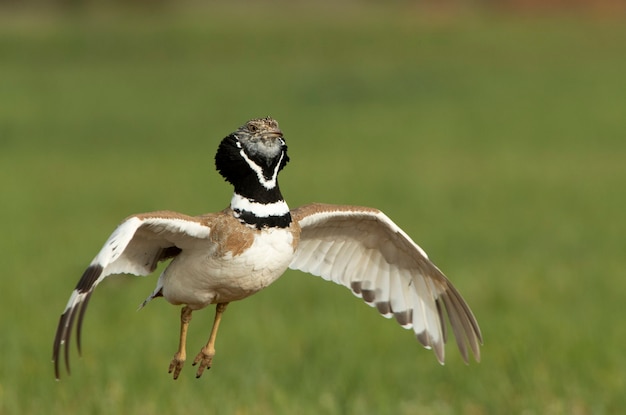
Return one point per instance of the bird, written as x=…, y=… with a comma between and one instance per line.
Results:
x=218, y=258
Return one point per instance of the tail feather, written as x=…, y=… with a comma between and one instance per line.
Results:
x=158, y=292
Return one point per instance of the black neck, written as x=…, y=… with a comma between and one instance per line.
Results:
x=249, y=187
x=257, y=200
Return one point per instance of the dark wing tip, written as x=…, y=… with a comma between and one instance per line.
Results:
x=88, y=279
x=59, y=340
x=62, y=340
x=76, y=306
x=81, y=315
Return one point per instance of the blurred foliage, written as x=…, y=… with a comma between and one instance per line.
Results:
x=520, y=6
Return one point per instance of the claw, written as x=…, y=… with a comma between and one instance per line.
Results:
x=205, y=358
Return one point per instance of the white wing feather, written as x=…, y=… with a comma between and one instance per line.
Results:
x=362, y=249
x=134, y=247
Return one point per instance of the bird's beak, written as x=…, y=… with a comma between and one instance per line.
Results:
x=276, y=133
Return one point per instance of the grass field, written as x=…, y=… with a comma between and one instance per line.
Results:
x=498, y=143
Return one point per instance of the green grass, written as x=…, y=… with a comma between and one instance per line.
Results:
x=498, y=143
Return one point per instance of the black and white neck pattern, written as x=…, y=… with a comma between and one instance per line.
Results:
x=251, y=159
x=261, y=215
x=257, y=200
x=264, y=162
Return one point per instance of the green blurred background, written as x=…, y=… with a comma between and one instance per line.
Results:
x=495, y=136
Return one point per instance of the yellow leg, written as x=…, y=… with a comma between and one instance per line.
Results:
x=179, y=358
x=205, y=357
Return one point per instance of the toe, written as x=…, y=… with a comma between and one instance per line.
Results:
x=204, y=359
x=176, y=365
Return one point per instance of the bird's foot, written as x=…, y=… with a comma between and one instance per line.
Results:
x=176, y=364
x=204, y=358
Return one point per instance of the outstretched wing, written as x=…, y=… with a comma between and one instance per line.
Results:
x=135, y=247
x=362, y=249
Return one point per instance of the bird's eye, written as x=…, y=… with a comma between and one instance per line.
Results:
x=253, y=128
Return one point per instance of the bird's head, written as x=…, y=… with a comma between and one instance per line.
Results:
x=255, y=151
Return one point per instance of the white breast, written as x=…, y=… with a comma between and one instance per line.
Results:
x=200, y=277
